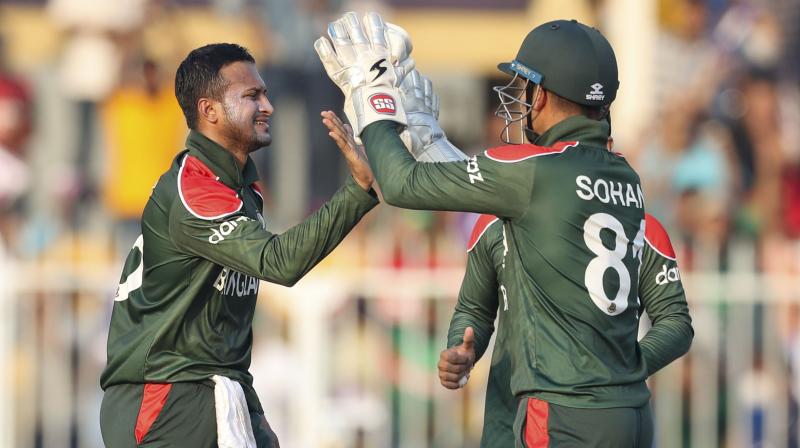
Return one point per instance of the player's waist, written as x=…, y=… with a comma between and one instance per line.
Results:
x=591, y=397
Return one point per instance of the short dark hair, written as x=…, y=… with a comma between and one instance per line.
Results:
x=198, y=76
x=563, y=104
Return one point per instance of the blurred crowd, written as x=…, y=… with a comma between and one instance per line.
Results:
x=84, y=137
x=719, y=160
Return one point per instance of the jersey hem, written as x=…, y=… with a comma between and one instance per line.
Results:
x=561, y=400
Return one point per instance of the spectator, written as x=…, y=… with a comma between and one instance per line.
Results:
x=296, y=77
x=88, y=71
x=759, y=153
x=143, y=125
x=684, y=47
x=688, y=173
x=16, y=117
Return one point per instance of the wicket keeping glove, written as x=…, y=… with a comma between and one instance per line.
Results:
x=400, y=51
x=428, y=141
x=359, y=61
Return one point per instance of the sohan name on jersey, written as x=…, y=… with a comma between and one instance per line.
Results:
x=607, y=191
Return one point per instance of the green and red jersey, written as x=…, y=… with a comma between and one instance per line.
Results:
x=574, y=224
x=184, y=308
x=481, y=300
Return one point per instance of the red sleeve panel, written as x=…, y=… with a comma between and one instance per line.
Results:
x=657, y=237
x=483, y=223
x=518, y=153
x=202, y=193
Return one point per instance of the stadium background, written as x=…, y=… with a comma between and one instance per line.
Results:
x=708, y=113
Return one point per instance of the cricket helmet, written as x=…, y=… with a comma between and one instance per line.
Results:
x=565, y=57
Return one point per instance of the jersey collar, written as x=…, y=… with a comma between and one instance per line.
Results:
x=221, y=162
x=576, y=128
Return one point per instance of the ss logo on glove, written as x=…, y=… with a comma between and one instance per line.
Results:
x=383, y=103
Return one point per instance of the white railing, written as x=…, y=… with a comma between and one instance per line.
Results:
x=347, y=358
x=6, y=349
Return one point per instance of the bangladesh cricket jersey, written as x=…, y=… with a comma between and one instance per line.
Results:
x=573, y=221
x=481, y=299
x=184, y=307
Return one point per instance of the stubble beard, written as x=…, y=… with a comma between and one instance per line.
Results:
x=242, y=133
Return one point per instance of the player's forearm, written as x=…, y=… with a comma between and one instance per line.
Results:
x=668, y=339
x=392, y=165
x=481, y=322
x=448, y=186
x=289, y=256
x=242, y=244
x=407, y=183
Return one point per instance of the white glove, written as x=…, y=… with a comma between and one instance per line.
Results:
x=428, y=141
x=360, y=63
x=400, y=50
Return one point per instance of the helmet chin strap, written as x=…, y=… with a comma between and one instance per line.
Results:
x=530, y=134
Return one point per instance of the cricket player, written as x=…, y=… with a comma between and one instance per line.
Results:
x=572, y=216
x=180, y=337
x=480, y=300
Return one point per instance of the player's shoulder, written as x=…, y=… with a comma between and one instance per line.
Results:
x=200, y=191
x=657, y=237
x=518, y=153
x=482, y=226
x=164, y=192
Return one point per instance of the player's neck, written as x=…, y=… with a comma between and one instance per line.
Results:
x=549, y=117
x=239, y=154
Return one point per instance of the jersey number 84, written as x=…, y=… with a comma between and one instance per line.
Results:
x=610, y=259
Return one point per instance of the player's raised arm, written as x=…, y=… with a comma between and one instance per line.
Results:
x=244, y=245
x=358, y=59
x=661, y=290
x=478, y=184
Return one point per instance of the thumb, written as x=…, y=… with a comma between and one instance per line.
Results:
x=469, y=339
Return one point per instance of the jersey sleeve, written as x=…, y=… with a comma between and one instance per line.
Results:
x=479, y=184
x=241, y=243
x=478, y=297
x=662, y=293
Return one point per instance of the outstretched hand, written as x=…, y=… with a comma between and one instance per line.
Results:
x=456, y=362
x=354, y=154
x=362, y=57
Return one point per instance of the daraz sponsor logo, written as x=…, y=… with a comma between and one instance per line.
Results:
x=667, y=275
x=225, y=229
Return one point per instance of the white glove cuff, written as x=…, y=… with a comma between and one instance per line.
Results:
x=441, y=151
x=373, y=104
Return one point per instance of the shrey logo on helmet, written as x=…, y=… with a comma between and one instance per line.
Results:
x=597, y=92
x=383, y=103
